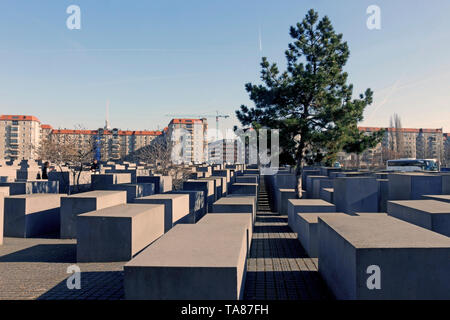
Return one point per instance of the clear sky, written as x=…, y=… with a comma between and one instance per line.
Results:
x=152, y=58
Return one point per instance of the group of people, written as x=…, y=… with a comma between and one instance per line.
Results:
x=46, y=169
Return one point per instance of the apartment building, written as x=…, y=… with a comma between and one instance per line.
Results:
x=112, y=144
x=226, y=151
x=405, y=143
x=446, y=147
x=19, y=136
x=189, y=136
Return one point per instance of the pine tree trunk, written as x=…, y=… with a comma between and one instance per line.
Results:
x=298, y=173
x=298, y=177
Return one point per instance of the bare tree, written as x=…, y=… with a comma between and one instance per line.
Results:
x=396, y=144
x=68, y=152
x=159, y=154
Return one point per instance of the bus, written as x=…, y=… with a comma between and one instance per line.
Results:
x=408, y=165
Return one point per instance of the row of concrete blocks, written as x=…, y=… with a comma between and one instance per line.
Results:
x=205, y=260
x=184, y=206
x=183, y=255
x=373, y=255
x=401, y=186
x=349, y=194
x=35, y=214
x=281, y=187
x=369, y=194
x=63, y=182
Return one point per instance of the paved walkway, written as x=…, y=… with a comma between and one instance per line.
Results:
x=37, y=269
x=278, y=267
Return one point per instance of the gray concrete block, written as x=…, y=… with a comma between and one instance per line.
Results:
x=227, y=220
x=318, y=184
x=118, y=233
x=411, y=186
x=1, y=216
x=246, y=179
x=207, y=186
x=197, y=207
x=218, y=190
x=223, y=173
x=162, y=183
x=308, y=233
x=245, y=189
x=134, y=191
x=285, y=181
x=326, y=171
x=429, y=214
x=73, y=205
x=356, y=194
x=326, y=194
x=383, y=194
x=134, y=172
x=283, y=195
x=207, y=169
x=349, y=174
x=381, y=175
x=4, y=190
x=31, y=215
x=191, y=262
x=224, y=185
x=309, y=185
x=251, y=171
x=306, y=173
x=103, y=181
x=443, y=197
x=231, y=205
x=413, y=261
x=68, y=184
x=446, y=183
x=306, y=206
x=176, y=207
x=31, y=187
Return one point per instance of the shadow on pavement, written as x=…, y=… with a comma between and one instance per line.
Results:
x=104, y=285
x=51, y=253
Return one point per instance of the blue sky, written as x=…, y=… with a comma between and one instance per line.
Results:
x=151, y=58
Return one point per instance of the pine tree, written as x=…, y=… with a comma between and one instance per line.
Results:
x=310, y=103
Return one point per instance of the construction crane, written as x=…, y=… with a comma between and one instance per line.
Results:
x=217, y=116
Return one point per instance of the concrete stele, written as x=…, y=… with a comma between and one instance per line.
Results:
x=191, y=262
x=429, y=214
x=31, y=215
x=76, y=204
x=176, y=207
x=413, y=261
x=119, y=232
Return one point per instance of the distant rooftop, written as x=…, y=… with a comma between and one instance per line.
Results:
x=69, y=131
x=185, y=121
x=410, y=130
x=18, y=117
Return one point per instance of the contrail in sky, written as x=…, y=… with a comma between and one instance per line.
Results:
x=260, y=39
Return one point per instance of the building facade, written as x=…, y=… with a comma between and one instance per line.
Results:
x=226, y=151
x=19, y=136
x=189, y=136
x=406, y=143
